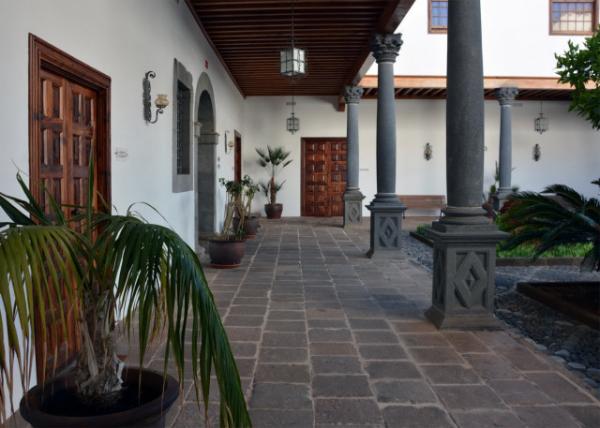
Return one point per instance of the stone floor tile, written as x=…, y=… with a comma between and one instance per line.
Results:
x=280, y=396
x=292, y=373
x=416, y=417
x=558, y=388
x=244, y=320
x=588, y=416
x=487, y=419
x=405, y=391
x=361, y=412
x=392, y=370
x=368, y=324
x=414, y=327
x=244, y=349
x=382, y=352
x=450, y=374
x=490, y=366
x=519, y=392
x=273, y=418
x=286, y=326
x=469, y=397
x=243, y=334
x=435, y=356
x=285, y=315
x=327, y=323
x=341, y=386
x=465, y=342
x=329, y=335
x=423, y=340
x=287, y=340
x=283, y=355
x=342, y=348
x=375, y=336
x=522, y=358
x=336, y=365
x=546, y=417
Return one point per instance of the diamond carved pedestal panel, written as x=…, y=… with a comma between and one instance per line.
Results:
x=353, y=208
x=386, y=226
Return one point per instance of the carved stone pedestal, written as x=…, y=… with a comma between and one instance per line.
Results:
x=386, y=228
x=464, y=276
x=353, y=207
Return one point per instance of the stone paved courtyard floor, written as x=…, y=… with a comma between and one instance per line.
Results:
x=325, y=337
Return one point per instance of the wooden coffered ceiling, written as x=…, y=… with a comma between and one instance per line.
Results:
x=434, y=87
x=248, y=35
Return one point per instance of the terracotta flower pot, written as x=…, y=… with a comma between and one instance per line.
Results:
x=56, y=404
x=273, y=211
x=226, y=254
x=251, y=226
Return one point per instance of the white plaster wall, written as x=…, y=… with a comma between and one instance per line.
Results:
x=516, y=41
x=570, y=149
x=122, y=39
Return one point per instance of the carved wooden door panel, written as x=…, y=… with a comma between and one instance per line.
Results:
x=63, y=142
x=324, y=176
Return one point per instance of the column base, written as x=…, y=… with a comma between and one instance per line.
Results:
x=499, y=198
x=464, y=276
x=353, y=207
x=386, y=227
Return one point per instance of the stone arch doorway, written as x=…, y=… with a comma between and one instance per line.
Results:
x=206, y=160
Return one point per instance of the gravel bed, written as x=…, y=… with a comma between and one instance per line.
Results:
x=567, y=340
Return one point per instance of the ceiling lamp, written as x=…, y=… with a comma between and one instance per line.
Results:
x=292, y=122
x=541, y=122
x=293, y=59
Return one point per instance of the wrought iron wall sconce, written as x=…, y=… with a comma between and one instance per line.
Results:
x=228, y=143
x=537, y=152
x=161, y=101
x=428, y=153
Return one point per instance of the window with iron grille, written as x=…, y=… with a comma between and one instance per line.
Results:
x=573, y=16
x=183, y=129
x=438, y=16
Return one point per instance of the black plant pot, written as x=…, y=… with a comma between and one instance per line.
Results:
x=273, y=211
x=226, y=254
x=56, y=405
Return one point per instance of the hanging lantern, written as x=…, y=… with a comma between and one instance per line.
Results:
x=293, y=124
x=293, y=59
x=541, y=122
x=293, y=62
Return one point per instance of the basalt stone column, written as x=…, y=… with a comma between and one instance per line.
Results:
x=386, y=209
x=464, y=252
x=506, y=97
x=352, y=196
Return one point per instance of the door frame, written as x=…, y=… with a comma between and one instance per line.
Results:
x=43, y=55
x=303, y=166
x=237, y=156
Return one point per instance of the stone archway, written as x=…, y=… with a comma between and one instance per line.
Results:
x=206, y=159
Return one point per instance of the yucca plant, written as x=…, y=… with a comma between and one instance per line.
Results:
x=557, y=216
x=115, y=264
x=275, y=159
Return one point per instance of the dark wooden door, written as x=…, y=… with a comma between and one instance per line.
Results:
x=238, y=158
x=69, y=119
x=323, y=176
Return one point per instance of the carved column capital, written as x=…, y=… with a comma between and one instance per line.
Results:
x=506, y=95
x=385, y=47
x=352, y=94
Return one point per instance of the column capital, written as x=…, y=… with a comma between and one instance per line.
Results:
x=385, y=47
x=506, y=95
x=352, y=94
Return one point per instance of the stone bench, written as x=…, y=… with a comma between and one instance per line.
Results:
x=424, y=202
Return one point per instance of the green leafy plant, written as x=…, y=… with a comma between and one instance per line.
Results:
x=275, y=159
x=556, y=217
x=250, y=189
x=115, y=263
x=233, y=207
x=579, y=67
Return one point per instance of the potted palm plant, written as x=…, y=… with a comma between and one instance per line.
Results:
x=250, y=226
x=274, y=159
x=87, y=268
x=226, y=250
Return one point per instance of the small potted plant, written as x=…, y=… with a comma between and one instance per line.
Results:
x=274, y=158
x=226, y=250
x=249, y=189
x=82, y=270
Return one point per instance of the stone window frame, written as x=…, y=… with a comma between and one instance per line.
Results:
x=435, y=29
x=595, y=22
x=181, y=76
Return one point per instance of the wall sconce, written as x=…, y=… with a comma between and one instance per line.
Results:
x=537, y=152
x=161, y=101
x=428, y=153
